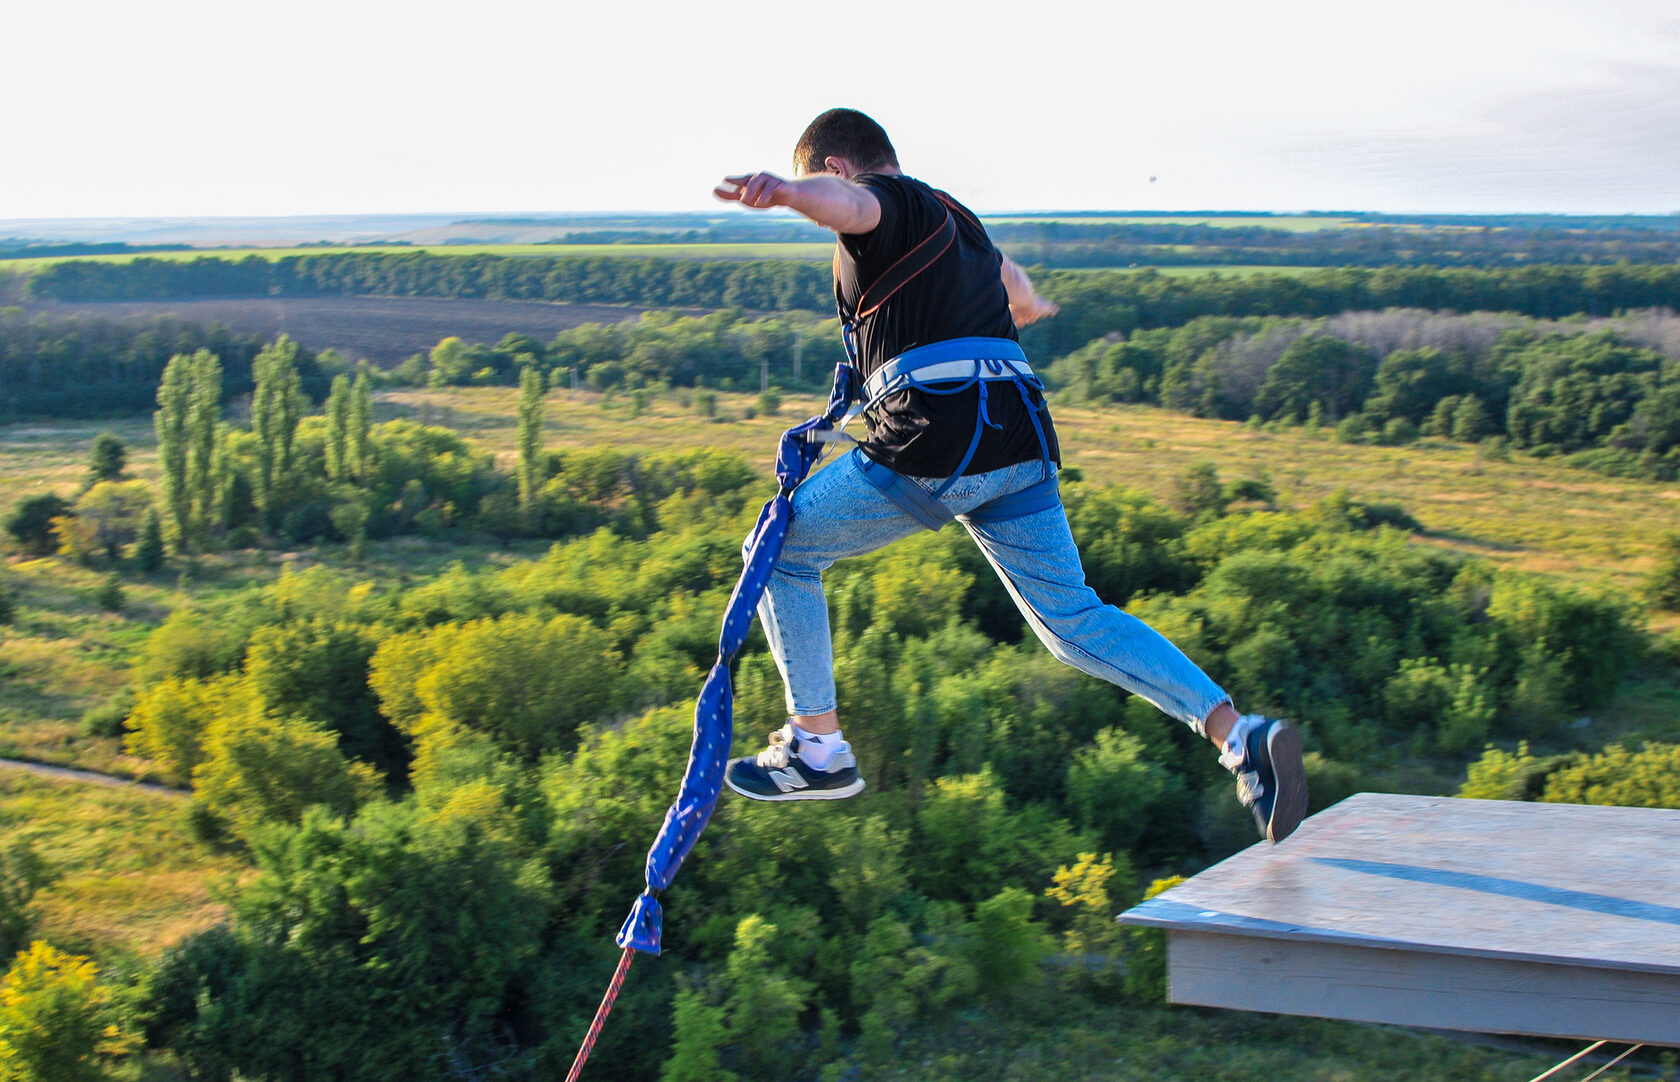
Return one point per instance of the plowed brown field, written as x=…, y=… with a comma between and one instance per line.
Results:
x=384, y=330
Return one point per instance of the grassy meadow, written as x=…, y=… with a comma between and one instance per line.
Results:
x=131, y=876
x=764, y=250
x=1531, y=514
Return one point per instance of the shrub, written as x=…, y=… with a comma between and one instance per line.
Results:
x=1399, y=431
x=30, y=523
x=107, y=458
x=1353, y=429
x=53, y=1018
x=110, y=594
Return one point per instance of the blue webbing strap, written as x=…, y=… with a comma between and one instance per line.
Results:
x=910, y=497
x=1039, y=496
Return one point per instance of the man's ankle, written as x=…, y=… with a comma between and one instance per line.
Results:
x=818, y=724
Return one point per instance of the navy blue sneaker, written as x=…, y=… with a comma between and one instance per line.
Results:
x=1270, y=778
x=779, y=773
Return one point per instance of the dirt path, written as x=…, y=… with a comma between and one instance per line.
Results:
x=46, y=770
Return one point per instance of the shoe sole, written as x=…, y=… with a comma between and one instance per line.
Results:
x=802, y=794
x=1283, y=747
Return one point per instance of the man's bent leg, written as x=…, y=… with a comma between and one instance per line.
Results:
x=1038, y=562
x=837, y=513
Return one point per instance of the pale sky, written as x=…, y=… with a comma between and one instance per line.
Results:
x=224, y=107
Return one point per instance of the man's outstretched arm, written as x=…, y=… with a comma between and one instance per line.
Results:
x=831, y=201
x=1025, y=305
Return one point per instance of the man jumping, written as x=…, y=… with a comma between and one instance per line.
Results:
x=957, y=428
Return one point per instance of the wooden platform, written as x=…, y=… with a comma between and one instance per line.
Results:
x=1553, y=920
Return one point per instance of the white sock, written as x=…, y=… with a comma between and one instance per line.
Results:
x=1235, y=755
x=816, y=749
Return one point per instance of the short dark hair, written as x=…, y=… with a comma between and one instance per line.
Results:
x=843, y=133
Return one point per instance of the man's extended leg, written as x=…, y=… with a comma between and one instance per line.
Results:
x=1038, y=562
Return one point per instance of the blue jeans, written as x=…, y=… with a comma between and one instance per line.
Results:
x=837, y=513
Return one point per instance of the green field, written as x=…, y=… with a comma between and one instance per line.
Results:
x=1229, y=270
x=628, y=251
x=1288, y=223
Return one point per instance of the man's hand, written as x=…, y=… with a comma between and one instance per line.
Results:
x=1025, y=305
x=1033, y=310
x=756, y=190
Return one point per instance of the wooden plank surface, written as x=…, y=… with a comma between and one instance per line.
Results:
x=1545, y=919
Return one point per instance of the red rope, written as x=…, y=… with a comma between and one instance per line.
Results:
x=601, y=1014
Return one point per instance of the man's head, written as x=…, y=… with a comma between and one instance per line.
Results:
x=843, y=141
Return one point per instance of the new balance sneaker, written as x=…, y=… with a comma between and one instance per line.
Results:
x=779, y=773
x=1270, y=778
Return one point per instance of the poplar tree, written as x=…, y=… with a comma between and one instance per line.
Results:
x=276, y=406
x=338, y=429
x=148, y=551
x=361, y=424
x=174, y=396
x=530, y=433
x=203, y=420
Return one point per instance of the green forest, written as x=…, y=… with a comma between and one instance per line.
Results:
x=428, y=783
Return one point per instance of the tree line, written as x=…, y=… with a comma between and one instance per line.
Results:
x=1607, y=391
x=74, y=366
x=1093, y=303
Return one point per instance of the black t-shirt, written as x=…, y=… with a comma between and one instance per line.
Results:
x=960, y=296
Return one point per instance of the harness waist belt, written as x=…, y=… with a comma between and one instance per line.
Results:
x=953, y=359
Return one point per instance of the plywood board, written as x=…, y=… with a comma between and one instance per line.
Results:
x=1543, y=919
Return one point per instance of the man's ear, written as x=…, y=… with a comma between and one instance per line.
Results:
x=838, y=165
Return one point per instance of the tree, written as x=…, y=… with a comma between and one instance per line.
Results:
x=1662, y=587
x=53, y=1018
x=170, y=717
x=1111, y=785
x=1315, y=368
x=700, y=1033
x=30, y=522
x=361, y=424
x=203, y=420
x=107, y=458
x=451, y=363
x=260, y=770
x=764, y=1002
x=527, y=682
x=1648, y=778
x=1200, y=492
x=148, y=550
x=338, y=429
x=277, y=404
x=530, y=434
x=1008, y=946
x=174, y=396
x=107, y=517
x=317, y=671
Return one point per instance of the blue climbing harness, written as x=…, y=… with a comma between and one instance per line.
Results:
x=952, y=367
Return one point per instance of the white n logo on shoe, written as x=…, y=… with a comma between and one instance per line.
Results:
x=788, y=780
